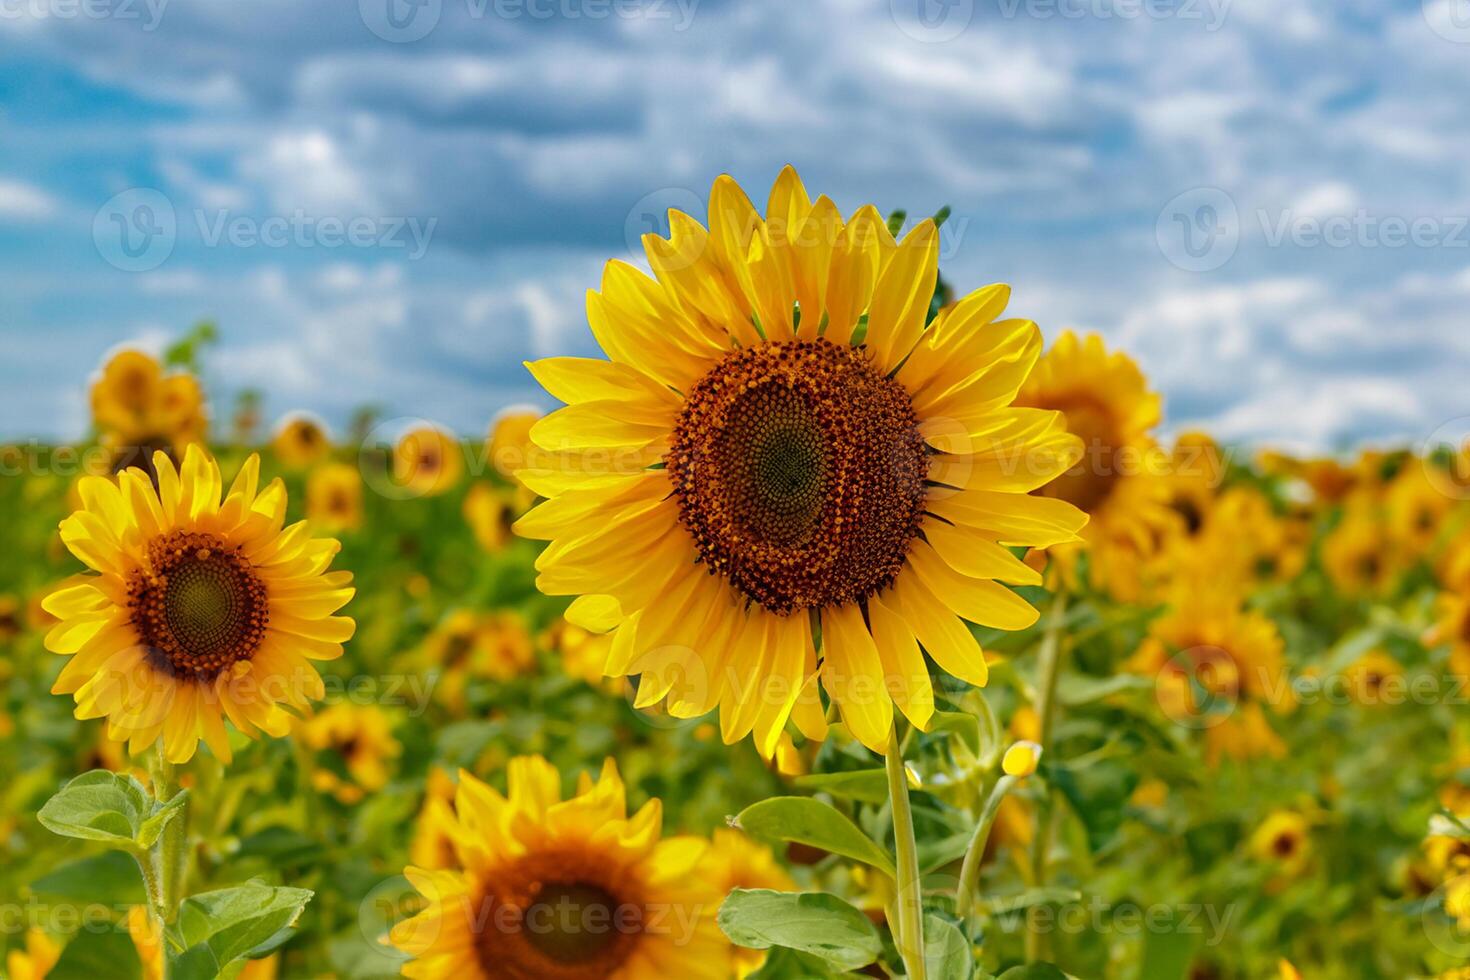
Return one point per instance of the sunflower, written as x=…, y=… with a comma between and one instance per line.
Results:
x=1119, y=481
x=432, y=846
x=549, y=889
x=1215, y=664
x=11, y=618
x=510, y=447
x=201, y=610
x=583, y=652
x=301, y=440
x=357, y=743
x=1282, y=842
x=427, y=461
x=1358, y=554
x=468, y=645
x=138, y=410
x=1417, y=507
x=780, y=456
x=736, y=861
x=334, y=497
x=488, y=514
x=35, y=961
x=1368, y=675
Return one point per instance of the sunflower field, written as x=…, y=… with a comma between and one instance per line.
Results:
x=842, y=623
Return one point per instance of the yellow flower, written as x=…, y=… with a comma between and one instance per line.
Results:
x=757, y=458
x=1288, y=972
x=583, y=653
x=1417, y=507
x=300, y=441
x=571, y=889
x=139, y=410
x=510, y=446
x=334, y=497
x=202, y=610
x=489, y=517
x=1358, y=555
x=1021, y=759
x=36, y=960
x=1118, y=481
x=736, y=861
x=10, y=618
x=427, y=461
x=466, y=645
x=358, y=739
x=1215, y=664
x=1367, y=675
x=1196, y=470
x=1283, y=842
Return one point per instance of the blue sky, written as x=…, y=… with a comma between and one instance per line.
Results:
x=1265, y=201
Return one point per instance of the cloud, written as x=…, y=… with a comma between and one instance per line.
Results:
x=20, y=201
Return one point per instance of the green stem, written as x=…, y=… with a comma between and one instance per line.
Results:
x=908, y=932
x=1049, y=669
x=970, y=870
x=167, y=854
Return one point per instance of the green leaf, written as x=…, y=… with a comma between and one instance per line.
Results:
x=810, y=922
x=804, y=821
x=104, y=806
x=863, y=785
x=281, y=846
x=1074, y=690
x=1034, y=971
x=1166, y=955
x=217, y=928
x=967, y=727
x=109, y=878
x=948, y=955
x=93, y=953
x=788, y=964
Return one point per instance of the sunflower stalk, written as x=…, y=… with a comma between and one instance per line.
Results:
x=163, y=880
x=1049, y=669
x=970, y=869
x=908, y=927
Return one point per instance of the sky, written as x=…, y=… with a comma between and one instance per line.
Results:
x=396, y=202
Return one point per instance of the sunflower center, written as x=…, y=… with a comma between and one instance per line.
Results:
x=800, y=472
x=557, y=917
x=199, y=607
x=1089, y=483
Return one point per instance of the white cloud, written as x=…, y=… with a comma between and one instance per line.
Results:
x=20, y=201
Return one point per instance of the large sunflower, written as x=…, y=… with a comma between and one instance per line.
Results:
x=781, y=475
x=202, y=609
x=549, y=889
x=1119, y=479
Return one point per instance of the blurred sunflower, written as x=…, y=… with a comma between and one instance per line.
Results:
x=488, y=514
x=1367, y=676
x=736, y=861
x=778, y=450
x=1214, y=665
x=1358, y=555
x=36, y=960
x=202, y=610
x=138, y=410
x=468, y=644
x=358, y=742
x=555, y=889
x=432, y=846
x=1118, y=482
x=301, y=440
x=1417, y=508
x=334, y=497
x=427, y=461
x=510, y=447
x=1282, y=843
x=583, y=653
x=11, y=618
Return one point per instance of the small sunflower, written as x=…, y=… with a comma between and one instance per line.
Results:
x=334, y=497
x=301, y=440
x=1417, y=507
x=583, y=652
x=1360, y=557
x=203, y=609
x=468, y=645
x=549, y=889
x=510, y=447
x=1118, y=482
x=138, y=410
x=1215, y=664
x=780, y=455
x=1368, y=676
x=41, y=953
x=1283, y=843
x=488, y=514
x=356, y=745
x=427, y=461
x=432, y=846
